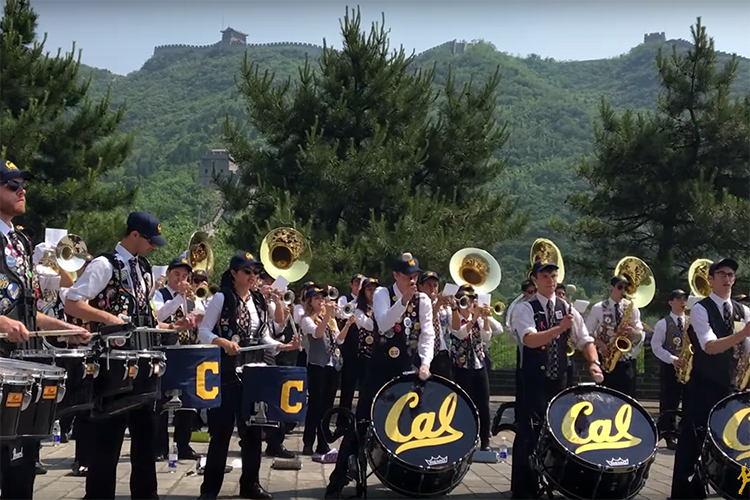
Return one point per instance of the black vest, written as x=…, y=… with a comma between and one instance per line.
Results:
x=464, y=351
x=717, y=368
x=536, y=361
x=673, y=339
x=227, y=327
x=350, y=347
x=393, y=350
x=366, y=339
x=183, y=338
x=17, y=299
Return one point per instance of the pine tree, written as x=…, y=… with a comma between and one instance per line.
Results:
x=49, y=127
x=369, y=160
x=673, y=185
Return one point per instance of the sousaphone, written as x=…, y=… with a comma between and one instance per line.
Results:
x=199, y=253
x=544, y=249
x=71, y=253
x=286, y=252
x=475, y=267
x=698, y=278
x=641, y=282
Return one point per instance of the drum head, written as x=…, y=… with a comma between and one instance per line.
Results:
x=729, y=424
x=602, y=426
x=434, y=424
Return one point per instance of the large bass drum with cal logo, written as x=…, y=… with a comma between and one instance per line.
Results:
x=726, y=448
x=596, y=443
x=423, y=435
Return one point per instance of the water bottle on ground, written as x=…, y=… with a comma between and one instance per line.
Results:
x=504, y=450
x=173, y=457
x=56, y=433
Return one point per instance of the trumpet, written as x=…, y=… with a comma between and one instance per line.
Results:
x=348, y=310
x=498, y=309
x=202, y=292
x=464, y=302
x=333, y=293
x=286, y=297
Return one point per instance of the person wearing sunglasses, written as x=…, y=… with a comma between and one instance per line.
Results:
x=238, y=316
x=604, y=322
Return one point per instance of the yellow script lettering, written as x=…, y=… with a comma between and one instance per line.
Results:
x=599, y=434
x=286, y=393
x=730, y=437
x=422, y=433
x=200, y=380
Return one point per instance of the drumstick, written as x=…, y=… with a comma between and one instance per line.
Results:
x=50, y=333
x=257, y=347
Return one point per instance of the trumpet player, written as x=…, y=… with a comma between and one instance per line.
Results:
x=442, y=364
x=604, y=319
x=669, y=338
x=544, y=325
x=473, y=329
x=720, y=350
x=350, y=373
x=366, y=328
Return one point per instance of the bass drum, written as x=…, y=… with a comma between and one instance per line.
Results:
x=423, y=435
x=596, y=443
x=725, y=449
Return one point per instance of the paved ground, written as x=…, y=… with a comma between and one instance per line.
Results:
x=483, y=480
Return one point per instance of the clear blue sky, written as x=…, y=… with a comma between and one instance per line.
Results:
x=120, y=35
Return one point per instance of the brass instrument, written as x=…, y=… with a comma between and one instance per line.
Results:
x=288, y=298
x=475, y=267
x=570, y=349
x=285, y=252
x=544, y=249
x=639, y=291
x=69, y=255
x=333, y=293
x=199, y=253
x=202, y=292
x=498, y=309
x=700, y=287
x=464, y=302
x=348, y=310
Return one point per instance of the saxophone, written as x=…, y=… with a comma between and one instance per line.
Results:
x=620, y=343
x=686, y=357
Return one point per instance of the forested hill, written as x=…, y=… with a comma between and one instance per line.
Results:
x=177, y=104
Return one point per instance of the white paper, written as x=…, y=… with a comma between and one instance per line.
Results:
x=53, y=236
x=581, y=305
x=159, y=271
x=280, y=283
x=450, y=289
x=484, y=299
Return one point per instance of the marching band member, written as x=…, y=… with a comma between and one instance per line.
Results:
x=298, y=311
x=115, y=285
x=718, y=349
x=604, y=322
x=366, y=327
x=18, y=461
x=237, y=312
x=473, y=328
x=562, y=294
x=324, y=363
x=544, y=325
x=667, y=342
x=442, y=364
x=405, y=340
x=350, y=348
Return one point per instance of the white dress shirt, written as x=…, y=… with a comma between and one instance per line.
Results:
x=98, y=273
x=206, y=333
x=388, y=315
x=166, y=309
x=660, y=336
x=596, y=317
x=523, y=322
x=701, y=326
x=364, y=322
x=444, y=319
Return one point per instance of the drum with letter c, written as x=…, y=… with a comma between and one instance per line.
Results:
x=15, y=396
x=282, y=388
x=596, y=443
x=726, y=450
x=194, y=371
x=423, y=435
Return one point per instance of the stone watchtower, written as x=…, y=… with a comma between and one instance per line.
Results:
x=233, y=37
x=654, y=37
x=215, y=161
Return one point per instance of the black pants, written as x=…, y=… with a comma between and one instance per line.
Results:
x=17, y=476
x=302, y=358
x=699, y=398
x=183, y=428
x=442, y=365
x=670, y=394
x=477, y=385
x=322, y=383
x=84, y=432
x=108, y=436
x=221, y=423
x=351, y=374
x=571, y=371
x=622, y=377
x=66, y=424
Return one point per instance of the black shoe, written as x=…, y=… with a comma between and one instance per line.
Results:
x=64, y=438
x=40, y=469
x=671, y=444
x=188, y=454
x=207, y=496
x=334, y=491
x=279, y=452
x=256, y=492
x=308, y=451
x=227, y=470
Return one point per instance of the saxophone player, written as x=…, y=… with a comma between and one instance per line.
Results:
x=605, y=321
x=667, y=343
x=718, y=347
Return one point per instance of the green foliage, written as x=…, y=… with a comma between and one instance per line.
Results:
x=50, y=126
x=356, y=152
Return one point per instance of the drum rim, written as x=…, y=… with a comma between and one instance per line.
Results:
x=14, y=378
x=45, y=369
x=624, y=396
x=33, y=353
x=187, y=346
x=398, y=459
x=120, y=354
x=709, y=435
x=150, y=354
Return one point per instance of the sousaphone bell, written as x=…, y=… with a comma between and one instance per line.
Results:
x=698, y=278
x=475, y=267
x=71, y=253
x=544, y=249
x=199, y=253
x=641, y=286
x=285, y=252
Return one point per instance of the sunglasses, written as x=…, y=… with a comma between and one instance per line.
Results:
x=15, y=185
x=199, y=281
x=621, y=287
x=250, y=271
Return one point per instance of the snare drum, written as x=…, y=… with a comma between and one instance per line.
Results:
x=596, y=443
x=117, y=370
x=194, y=371
x=151, y=366
x=15, y=396
x=725, y=449
x=423, y=435
x=47, y=391
x=282, y=388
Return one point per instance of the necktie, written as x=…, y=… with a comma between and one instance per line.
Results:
x=140, y=293
x=552, y=348
x=438, y=332
x=243, y=319
x=19, y=253
x=618, y=315
x=728, y=323
x=680, y=326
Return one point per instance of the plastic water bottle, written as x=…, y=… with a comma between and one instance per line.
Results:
x=56, y=433
x=503, y=450
x=173, y=457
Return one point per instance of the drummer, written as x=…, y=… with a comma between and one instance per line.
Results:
x=19, y=316
x=237, y=314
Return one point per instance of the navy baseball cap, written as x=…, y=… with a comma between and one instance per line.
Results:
x=407, y=264
x=148, y=226
x=180, y=262
x=200, y=274
x=242, y=260
x=313, y=290
x=618, y=280
x=9, y=171
x=678, y=294
x=369, y=281
x=427, y=275
x=730, y=263
x=357, y=277
x=544, y=265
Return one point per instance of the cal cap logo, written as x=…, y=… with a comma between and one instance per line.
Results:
x=158, y=228
x=248, y=256
x=10, y=166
